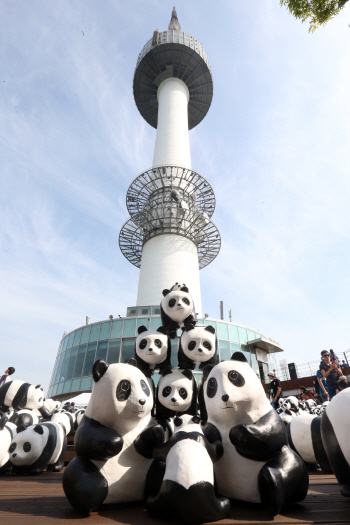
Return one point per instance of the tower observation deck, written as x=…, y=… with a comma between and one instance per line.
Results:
x=169, y=234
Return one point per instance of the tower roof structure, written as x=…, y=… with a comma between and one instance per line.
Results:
x=174, y=23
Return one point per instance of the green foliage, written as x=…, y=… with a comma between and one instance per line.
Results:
x=316, y=12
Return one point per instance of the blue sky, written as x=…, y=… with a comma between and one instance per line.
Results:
x=274, y=146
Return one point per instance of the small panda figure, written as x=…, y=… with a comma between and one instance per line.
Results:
x=198, y=345
x=7, y=433
x=285, y=416
x=177, y=309
x=335, y=431
x=37, y=448
x=49, y=407
x=187, y=491
x=18, y=394
x=290, y=403
x=304, y=437
x=152, y=350
x=115, y=440
x=176, y=393
x=24, y=417
x=79, y=417
x=258, y=466
x=66, y=419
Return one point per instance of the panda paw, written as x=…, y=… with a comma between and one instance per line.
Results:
x=150, y=438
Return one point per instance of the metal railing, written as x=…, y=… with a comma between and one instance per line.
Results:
x=310, y=368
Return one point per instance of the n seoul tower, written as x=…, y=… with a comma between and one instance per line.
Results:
x=170, y=235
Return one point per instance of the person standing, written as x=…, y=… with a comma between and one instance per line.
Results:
x=275, y=389
x=331, y=372
x=7, y=373
x=323, y=390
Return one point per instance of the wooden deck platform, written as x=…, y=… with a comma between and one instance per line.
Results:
x=39, y=500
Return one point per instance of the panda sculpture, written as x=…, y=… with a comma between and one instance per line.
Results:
x=48, y=409
x=290, y=405
x=177, y=309
x=176, y=394
x=79, y=417
x=198, y=345
x=66, y=419
x=187, y=491
x=115, y=440
x=258, y=466
x=18, y=394
x=304, y=437
x=37, y=448
x=285, y=416
x=7, y=433
x=24, y=417
x=152, y=350
x=335, y=431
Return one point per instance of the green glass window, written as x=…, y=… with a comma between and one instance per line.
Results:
x=155, y=310
x=60, y=388
x=211, y=323
x=243, y=335
x=257, y=336
x=89, y=359
x=254, y=364
x=142, y=321
x=247, y=356
x=129, y=328
x=64, y=365
x=80, y=361
x=174, y=349
x=156, y=378
x=156, y=322
x=235, y=347
x=101, y=350
x=95, y=328
x=85, y=383
x=75, y=384
x=85, y=335
x=251, y=335
x=70, y=340
x=64, y=347
x=54, y=390
x=57, y=378
x=233, y=332
x=66, y=387
x=145, y=310
x=70, y=367
x=105, y=329
x=128, y=348
x=225, y=351
x=113, y=351
x=117, y=328
x=77, y=337
x=222, y=331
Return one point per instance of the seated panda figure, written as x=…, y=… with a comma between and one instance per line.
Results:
x=24, y=417
x=66, y=419
x=8, y=431
x=38, y=447
x=187, y=491
x=176, y=394
x=114, y=441
x=198, y=345
x=177, y=309
x=258, y=466
x=152, y=350
x=18, y=394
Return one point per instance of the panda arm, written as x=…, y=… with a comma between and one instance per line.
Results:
x=212, y=433
x=150, y=438
x=95, y=441
x=260, y=440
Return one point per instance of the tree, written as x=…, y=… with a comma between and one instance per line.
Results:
x=317, y=12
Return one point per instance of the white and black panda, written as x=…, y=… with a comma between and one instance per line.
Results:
x=66, y=419
x=258, y=466
x=177, y=309
x=285, y=416
x=304, y=437
x=290, y=405
x=37, y=448
x=198, y=345
x=24, y=417
x=152, y=350
x=49, y=407
x=79, y=417
x=187, y=491
x=8, y=431
x=18, y=394
x=335, y=431
x=115, y=440
x=176, y=393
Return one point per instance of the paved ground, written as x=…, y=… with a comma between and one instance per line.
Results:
x=40, y=500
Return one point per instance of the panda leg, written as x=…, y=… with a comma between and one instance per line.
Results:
x=154, y=478
x=58, y=466
x=283, y=479
x=335, y=455
x=84, y=485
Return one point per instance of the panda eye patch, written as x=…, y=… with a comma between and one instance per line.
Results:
x=158, y=343
x=27, y=447
x=123, y=390
x=143, y=344
x=183, y=393
x=207, y=345
x=236, y=378
x=172, y=303
x=192, y=345
x=145, y=388
x=12, y=447
x=166, y=391
x=212, y=387
x=186, y=301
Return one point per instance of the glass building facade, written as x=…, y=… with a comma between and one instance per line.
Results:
x=113, y=341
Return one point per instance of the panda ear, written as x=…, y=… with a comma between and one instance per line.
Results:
x=20, y=428
x=239, y=356
x=206, y=371
x=165, y=371
x=210, y=329
x=189, y=327
x=141, y=329
x=165, y=292
x=187, y=373
x=184, y=289
x=39, y=429
x=161, y=330
x=130, y=361
x=99, y=369
x=38, y=386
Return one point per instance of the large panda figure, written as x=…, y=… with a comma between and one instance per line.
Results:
x=115, y=440
x=187, y=492
x=18, y=394
x=258, y=466
x=198, y=345
x=176, y=394
x=177, y=309
x=152, y=350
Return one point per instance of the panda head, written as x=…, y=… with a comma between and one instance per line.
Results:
x=176, y=392
x=121, y=397
x=152, y=349
x=35, y=397
x=198, y=343
x=28, y=444
x=233, y=394
x=187, y=423
x=177, y=305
